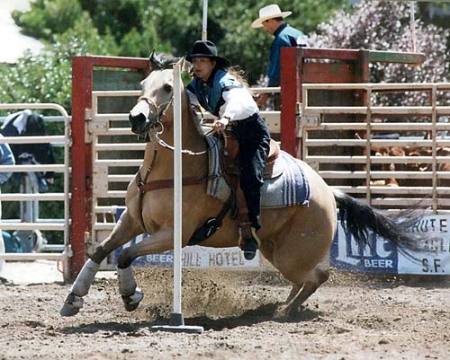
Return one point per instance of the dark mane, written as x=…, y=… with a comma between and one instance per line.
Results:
x=162, y=61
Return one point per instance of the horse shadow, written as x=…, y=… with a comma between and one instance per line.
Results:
x=263, y=313
x=109, y=328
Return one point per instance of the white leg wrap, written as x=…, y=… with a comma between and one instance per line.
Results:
x=127, y=284
x=85, y=278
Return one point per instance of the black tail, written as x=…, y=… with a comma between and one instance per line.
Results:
x=358, y=219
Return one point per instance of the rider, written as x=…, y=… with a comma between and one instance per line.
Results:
x=224, y=95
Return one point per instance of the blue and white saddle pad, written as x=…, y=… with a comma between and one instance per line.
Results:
x=290, y=188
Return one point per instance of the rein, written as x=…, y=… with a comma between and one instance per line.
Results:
x=141, y=182
x=161, y=115
x=145, y=186
x=170, y=147
x=153, y=133
x=167, y=183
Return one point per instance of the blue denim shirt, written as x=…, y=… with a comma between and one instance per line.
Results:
x=6, y=158
x=285, y=36
x=209, y=94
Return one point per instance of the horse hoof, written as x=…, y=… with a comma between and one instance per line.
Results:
x=281, y=312
x=132, y=302
x=287, y=312
x=72, y=305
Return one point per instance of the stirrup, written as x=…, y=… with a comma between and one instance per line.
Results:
x=246, y=231
x=249, y=242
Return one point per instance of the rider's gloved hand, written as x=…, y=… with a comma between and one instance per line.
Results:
x=220, y=124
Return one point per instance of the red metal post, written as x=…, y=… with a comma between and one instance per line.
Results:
x=289, y=91
x=81, y=152
x=81, y=163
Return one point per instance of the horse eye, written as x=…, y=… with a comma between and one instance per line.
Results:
x=167, y=88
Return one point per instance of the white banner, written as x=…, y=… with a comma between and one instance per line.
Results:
x=197, y=257
x=435, y=259
x=385, y=258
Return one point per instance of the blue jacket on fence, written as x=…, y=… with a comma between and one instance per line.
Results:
x=6, y=158
x=285, y=36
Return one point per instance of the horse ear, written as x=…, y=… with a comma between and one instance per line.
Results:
x=155, y=61
x=186, y=66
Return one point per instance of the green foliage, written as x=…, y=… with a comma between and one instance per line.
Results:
x=229, y=27
x=48, y=17
x=136, y=27
x=47, y=77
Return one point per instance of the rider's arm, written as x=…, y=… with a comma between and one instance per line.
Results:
x=239, y=104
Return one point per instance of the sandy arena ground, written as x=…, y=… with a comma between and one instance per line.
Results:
x=350, y=317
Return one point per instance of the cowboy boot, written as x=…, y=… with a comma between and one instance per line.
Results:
x=248, y=240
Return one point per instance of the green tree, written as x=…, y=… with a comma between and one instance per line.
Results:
x=139, y=26
x=47, y=18
x=47, y=77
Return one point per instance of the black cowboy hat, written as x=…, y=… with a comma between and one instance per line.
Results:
x=207, y=49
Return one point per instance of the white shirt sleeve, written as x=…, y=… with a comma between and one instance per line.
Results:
x=239, y=104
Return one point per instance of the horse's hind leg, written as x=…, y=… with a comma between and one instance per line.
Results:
x=294, y=292
x=124, y=230
x=308, y=289
x=301, y=292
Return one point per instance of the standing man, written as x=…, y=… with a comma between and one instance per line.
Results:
x=224, y=94
x=271, y=19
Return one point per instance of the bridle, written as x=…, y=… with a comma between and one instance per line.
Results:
x=160, y=114
x=155, y=130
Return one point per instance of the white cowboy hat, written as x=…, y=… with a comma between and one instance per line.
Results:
x=269, y=12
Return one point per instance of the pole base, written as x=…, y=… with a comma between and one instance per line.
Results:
x=176, y=324
x=179, y=329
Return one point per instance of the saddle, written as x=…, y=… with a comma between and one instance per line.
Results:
x=230, y=162
x=236, y=201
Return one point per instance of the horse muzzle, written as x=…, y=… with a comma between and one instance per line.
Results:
x=139, y=124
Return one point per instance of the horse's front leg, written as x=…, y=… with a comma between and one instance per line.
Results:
x=123, y=232
x=159, y=242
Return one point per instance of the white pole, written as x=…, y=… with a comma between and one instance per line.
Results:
x=205, y=20
x=177, y=321
x=413, y=25
x=178, y=192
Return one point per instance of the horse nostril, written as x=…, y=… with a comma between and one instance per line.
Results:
x=137, y=122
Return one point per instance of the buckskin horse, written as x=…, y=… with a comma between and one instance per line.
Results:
x=295, y=239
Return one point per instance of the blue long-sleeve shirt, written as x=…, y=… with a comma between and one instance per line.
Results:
x=285, y=36
x=6, y=158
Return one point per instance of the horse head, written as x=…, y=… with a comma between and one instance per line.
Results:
x=156, y=97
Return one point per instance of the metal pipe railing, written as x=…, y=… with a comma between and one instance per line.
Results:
x=62, y=168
